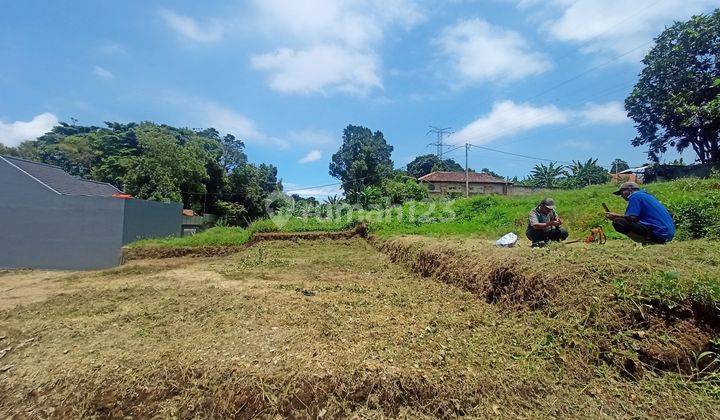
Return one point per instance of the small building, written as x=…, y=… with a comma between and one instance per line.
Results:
x=443, y=183
x=53, y=220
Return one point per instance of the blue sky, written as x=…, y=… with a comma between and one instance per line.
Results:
x=542, y=78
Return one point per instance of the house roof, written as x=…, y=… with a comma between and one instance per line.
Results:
x=474, y=177
x=60, y=181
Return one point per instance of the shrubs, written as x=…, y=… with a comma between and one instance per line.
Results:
x=695, y=205
x=697, y=217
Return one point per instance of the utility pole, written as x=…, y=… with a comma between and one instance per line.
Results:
x=467, y=179
x=440, y=134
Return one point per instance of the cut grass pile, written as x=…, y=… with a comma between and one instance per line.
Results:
x=694, y=203
x=333, y=329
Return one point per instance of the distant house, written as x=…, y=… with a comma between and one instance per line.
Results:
x=57, y=221
x=454, y=182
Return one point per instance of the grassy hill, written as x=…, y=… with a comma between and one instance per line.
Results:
x=694, y=203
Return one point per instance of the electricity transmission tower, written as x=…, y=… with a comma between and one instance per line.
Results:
x=440, y=133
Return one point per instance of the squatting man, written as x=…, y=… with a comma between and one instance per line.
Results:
x=646, y=219
x=544, y=225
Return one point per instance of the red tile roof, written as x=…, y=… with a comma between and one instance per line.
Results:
x=474, y=177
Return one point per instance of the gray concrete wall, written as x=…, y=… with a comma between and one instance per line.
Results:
x=151, y=219
x=43, y=229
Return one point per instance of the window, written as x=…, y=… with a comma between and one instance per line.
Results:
x=431, y=187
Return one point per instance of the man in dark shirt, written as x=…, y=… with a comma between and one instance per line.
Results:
x=645, y=220
x=544, y=224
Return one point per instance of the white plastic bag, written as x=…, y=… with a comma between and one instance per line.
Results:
x=507, y=241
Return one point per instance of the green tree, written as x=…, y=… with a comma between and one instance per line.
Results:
x=489, y=172
x=363, y=160
x=586, y=173
x=166, y=170
x=547, y=176
x=423, y=165
x=161, y=162
x=233, y=153
x=251, y=186
x=618, y=165
x=676, y=101
x=7, y=150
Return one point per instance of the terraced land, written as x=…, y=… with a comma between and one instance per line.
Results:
x=335, y=328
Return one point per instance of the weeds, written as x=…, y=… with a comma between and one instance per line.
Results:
x=694, y=203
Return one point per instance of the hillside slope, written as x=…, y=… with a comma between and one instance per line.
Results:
x=695, y=205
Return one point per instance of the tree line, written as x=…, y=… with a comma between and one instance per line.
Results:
x=675, y=104
x=203, y=170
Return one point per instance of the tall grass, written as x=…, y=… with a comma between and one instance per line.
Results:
x=694, y=203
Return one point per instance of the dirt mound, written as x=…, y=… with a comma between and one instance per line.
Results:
x=156, y=252
x=496, y=277
x=359, y=230
x=210, y=393
x=144, y=253
x=634, y=335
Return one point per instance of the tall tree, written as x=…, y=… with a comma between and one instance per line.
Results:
x=676, y=101
x=166, y=170
x=618, y=165
x=363, y=160
x=423, y=165
x=493, y=173
x=586, y=173
x=233, y=153
x=547, y=176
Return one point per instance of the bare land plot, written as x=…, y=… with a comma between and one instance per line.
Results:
x=325, y=328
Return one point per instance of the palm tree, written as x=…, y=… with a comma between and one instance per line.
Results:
x=589, y=173
x=333, y=200
x=547, y=176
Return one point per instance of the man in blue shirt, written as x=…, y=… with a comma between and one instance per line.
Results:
x=645, y=220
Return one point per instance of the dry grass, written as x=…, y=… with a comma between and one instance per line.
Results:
x=306, y=329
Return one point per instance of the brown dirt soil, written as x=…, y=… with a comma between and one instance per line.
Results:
x=144, y=253
x=305, y=329
x=360, y=230
x=551, y=281
x=154, y=252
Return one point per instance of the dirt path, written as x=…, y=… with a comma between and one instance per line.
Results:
x=19, y=287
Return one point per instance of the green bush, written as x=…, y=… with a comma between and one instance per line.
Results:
x=263, y=226
x=697, y=217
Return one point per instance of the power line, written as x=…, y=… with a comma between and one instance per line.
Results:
x=587, y=71
x=440, y=133
x=520, y=155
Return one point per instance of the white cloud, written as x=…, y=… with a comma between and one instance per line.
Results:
x=614, y=26
x=353, y=23
x=506, y=119
x=319, y=69
x=228, y=121
x=102, y=72
x=480, y=52
x=607, y=113
x=328, y=45
x=12, y=134
x=313, y=156
x=187, y=28
x=309, y=136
